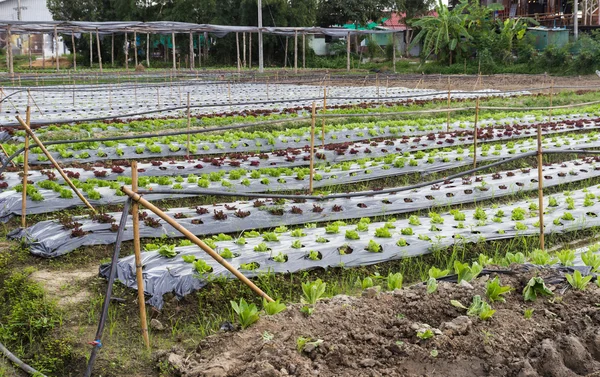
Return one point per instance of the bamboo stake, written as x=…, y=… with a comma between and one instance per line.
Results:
x=540, y=184
x=312, y=148
x=192, y=60
x=91, y=51
x=29, y=50
x=189, y=123
x=190, y=236
x=53, y=161
x=74, y=52
x=285, y=59
x=173, y=51
x=99, y=53
x=25, y=173
x=250, y=50
x=448, y=114
x=6, y=154
x=475, y=133
x=112, y=50
x=348, y=52
x=138, y=255
x=55, y=49
x=148, y=50
x=551, y=94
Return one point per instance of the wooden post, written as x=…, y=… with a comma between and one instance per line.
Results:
x=25, y=173
x=268, y=88
x=126, y=52
x=173, y=51
x=448, y=114
x=244, y=49
x=551, y=94
x=189, y=124
x=99, y=51
x=190, y=236
x=475, y=133
x=303, y=50
x=192, y=59
x=348, y=52
x=394, y=50
x=138, y=255
x=148, y=50
x=312, y=148
x=43, y=52
x=296, y=51
x=237, y=46
x=199, y=50
x=135, y=51
x=9, y=60
x=74, y=52
x=56, y=49
x=112, y=50
x=53, y=161
x=250, y=50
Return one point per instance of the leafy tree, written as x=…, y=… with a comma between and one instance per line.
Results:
x=412, y=9
x=359, y=12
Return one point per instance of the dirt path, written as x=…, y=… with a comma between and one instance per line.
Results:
x=375, y=335
x=68, y=287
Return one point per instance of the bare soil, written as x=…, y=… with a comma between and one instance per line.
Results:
x=375, y=335
x=67, y=287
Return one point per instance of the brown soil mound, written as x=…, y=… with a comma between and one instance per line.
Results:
x=375, y=335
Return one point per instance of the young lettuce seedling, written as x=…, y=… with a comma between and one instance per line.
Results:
x=536, y=287
x=247, y=313
x=274, y=307
x=494, y=291
x=577, y=281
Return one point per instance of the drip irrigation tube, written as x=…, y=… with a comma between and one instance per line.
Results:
x=97, y=343
x=26, y=368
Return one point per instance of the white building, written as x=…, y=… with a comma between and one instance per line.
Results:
x=31, y=10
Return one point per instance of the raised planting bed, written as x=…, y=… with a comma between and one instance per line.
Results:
x=337, y=140
x=73, y=103
x=53, y=238
x=410, y=332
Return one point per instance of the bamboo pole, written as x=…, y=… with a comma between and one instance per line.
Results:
x=551, y=94
x=237, y=47
x=135, y=51
x=448, y=114
x=173, y=51
x=296, y=51
x=244, y=49
x=9, y=60
x=138, y=255
x=99, y=51
x=189, y=124
x=475, y=133
x=6, y=154
x=250, y=50
x=394, y=50
x=312, y=148
x=304, y=50
x=53, y=161
x=190, y=236
x=25, y=173
x=192, y=60
x=148, y=50
x=285, y=59
x=323, y=123
x=55, y=44
x=348, y=52
x=112, y=50
x=74, y=52
x=29, y=50
x=126, y=52
x=540, y=184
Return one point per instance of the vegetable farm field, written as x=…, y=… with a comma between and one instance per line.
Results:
x=223, y=224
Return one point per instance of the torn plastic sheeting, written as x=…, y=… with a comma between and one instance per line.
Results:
x=379, y=148
x=173, y=275
x=50, y=239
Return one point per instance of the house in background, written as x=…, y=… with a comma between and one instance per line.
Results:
x=31, y=10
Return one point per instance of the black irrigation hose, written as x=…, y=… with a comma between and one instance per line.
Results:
x=26, y=368
x=97, y=343
x=363, y=193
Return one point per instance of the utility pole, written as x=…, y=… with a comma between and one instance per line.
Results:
x=261, y=67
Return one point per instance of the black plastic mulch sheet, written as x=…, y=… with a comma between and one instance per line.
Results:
x=51, y=239
x=173, y=275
